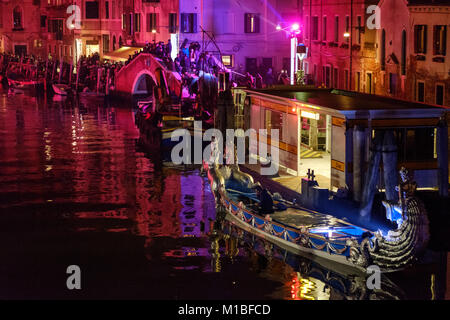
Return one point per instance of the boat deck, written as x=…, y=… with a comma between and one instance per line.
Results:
x=313, y=222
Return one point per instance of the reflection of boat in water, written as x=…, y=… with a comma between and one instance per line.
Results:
x=312, y=279
x=317, y=235
x=61, y=89
x=91, y=95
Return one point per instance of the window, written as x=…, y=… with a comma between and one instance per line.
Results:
x=392, y=83
x=440, y=94
x=324, y=29
x=360, y=29
x=315, y=28
x=335, y=78
x=152, y=22
x=188, y=22
x=251, y=22
x=383, y=50
x=227, y=60
x=92, y=10
x=17, y=18
x=114, y=43
x=403, y=62
x=43, y=21
x=56, y=26
x=358, y=81
x=124, y=21
x=307, y=27
x=326, y=76
x=420, y=39
x=369, y=83
x=347, y=27
x=346, y=79
x=105, y=39
x=336, y=29
x=440, y=40
x=137, y=22
x=106, y=9
x=421, y=91
x=172, y=23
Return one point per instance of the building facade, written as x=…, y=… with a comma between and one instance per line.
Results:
x=342, y=46
x=244, y=34
x=413, y=50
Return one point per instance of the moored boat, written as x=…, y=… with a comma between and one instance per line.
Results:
x=306, y=232
x=61, y=89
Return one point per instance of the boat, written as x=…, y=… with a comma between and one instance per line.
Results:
x=317, y=235
x=61, y=89
x=341, y=283
x=23, y=76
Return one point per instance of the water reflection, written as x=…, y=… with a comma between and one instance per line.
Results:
x=77, y=186
x=319, y=279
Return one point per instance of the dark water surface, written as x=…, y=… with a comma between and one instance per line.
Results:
x=77, y=188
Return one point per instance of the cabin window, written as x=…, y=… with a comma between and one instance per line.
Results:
x=274, y=120
x=408, y=140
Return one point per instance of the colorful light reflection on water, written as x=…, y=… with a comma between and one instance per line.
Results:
x=77, y=187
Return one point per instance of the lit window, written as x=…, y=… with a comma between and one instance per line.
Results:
x=440, y=40
x=227, y=60
x=420, y=39
x=251, y=23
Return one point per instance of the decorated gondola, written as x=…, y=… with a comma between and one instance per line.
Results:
x=314, y=234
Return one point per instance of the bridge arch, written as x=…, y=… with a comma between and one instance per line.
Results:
x=143, y=83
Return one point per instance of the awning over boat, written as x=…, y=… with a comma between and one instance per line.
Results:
x=121, y=54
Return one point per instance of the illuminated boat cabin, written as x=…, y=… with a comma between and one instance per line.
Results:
x=334, y=133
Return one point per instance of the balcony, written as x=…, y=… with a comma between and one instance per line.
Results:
x=16, y=29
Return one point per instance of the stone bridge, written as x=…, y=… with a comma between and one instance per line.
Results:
x=143, y=74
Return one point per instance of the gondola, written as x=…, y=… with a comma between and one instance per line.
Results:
x=306, y=232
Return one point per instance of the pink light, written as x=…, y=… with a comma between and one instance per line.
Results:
x=295, y=27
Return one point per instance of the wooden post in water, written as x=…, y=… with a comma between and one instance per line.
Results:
x=61, y=68
x=54, y=70
x=78, y=76
x=99, y=72
x=45, y=76
x=70, y=73
x=107, y=82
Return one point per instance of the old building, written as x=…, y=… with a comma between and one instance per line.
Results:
x=413, y=51
x=245, y=35
x=341, y=44
x=20, y=27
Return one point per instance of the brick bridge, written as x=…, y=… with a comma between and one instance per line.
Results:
x=142, y=74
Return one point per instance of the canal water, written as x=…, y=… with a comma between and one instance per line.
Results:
x=77, y=187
